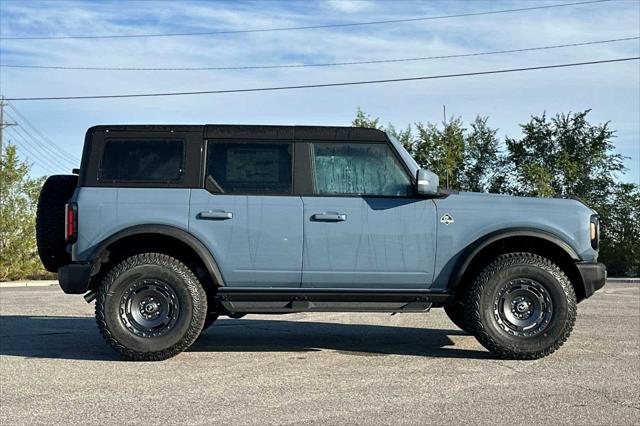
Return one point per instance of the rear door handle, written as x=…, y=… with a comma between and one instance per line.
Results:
x=329, y=217
x=215, y=215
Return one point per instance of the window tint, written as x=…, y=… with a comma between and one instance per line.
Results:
x=358, y=169
x=138, y=160
x=249, y=168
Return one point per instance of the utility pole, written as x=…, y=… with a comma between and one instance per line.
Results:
x=3, y=123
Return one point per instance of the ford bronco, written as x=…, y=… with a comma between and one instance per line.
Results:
x=169, y=227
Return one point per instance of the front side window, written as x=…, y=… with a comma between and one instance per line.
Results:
x=249, y=168
x=358, y=169
x=142, y=160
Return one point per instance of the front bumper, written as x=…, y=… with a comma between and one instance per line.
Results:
x=594, y=276
x=74, y=278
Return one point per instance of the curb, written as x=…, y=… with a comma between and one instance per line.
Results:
x=624, y=280
x=28, y=283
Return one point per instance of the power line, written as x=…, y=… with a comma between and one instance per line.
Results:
x=309, y=27
x=57, y=149
x=48, y=151
x=43, y=149
x=310, y=86
x=36, y=157
x=325, y=64
x=36, y=153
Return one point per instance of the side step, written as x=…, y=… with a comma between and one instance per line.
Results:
x=251, y=300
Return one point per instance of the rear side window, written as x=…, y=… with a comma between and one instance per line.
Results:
x=249, y=168
x=142, y=160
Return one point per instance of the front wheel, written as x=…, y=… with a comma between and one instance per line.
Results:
x=521, y=306
x=150, y=307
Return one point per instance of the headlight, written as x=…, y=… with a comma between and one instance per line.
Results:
x=594, y=231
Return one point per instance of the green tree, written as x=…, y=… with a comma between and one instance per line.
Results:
x=18, y=201
x=442, y=150
x=620, y=227
x=482, y=163
x=365, y=120
x=564, y=155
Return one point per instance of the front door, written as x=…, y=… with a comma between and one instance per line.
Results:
x=247, y=216
x=363, y=227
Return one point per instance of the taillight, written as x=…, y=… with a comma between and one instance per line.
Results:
x=71, y=222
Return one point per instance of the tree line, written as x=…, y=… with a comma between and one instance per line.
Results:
x=555, y=156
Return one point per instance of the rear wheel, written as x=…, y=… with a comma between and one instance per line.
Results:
x=50, y=238
x=150, y=307
x=521, y=306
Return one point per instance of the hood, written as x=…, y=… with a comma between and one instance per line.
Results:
x=523, y=201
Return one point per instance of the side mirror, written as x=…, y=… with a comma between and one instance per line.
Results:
x=427, y=182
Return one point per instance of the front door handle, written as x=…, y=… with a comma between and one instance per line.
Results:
x=215, y=215
x=329, y=217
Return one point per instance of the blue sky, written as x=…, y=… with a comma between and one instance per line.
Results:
x=612, y=91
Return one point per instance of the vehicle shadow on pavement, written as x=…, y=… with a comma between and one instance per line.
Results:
x=53, y=337
x=246, y=335
x=78, y=338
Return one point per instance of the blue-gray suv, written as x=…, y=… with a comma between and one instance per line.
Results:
x=169, y=227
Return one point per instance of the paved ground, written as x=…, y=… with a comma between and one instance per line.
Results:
x=316, y=368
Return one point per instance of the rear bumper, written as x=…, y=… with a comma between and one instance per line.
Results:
x=594, y=275
x=74, y=277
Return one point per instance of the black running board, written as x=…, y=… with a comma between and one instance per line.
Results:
x=250, y=300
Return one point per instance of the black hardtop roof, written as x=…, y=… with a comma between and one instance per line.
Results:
x=243, y=131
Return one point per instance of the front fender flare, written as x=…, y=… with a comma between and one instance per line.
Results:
x=481, y=243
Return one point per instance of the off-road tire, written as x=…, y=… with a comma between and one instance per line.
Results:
x=456, y=313
x=483, y=316
x=191, y=303
x=50, y=238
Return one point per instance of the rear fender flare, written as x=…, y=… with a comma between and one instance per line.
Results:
x=168, y=231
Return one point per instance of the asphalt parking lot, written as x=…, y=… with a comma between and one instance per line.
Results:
x=316, y=368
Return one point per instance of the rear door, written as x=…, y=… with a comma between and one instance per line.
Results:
x=363, y=226
x=247, y=214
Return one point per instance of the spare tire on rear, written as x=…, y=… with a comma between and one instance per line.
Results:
x=55, y=193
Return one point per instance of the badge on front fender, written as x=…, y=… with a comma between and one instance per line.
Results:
x=447, y=219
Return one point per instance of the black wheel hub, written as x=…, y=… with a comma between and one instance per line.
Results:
x=523, y=308
x=149, y=308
